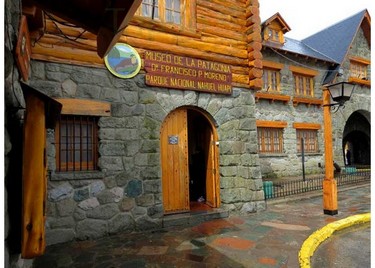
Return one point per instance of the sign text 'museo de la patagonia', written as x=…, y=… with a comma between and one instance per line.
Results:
x=172, y=71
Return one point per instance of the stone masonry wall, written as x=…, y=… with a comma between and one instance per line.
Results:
x=360, y=100
x=289, y=163
x=126, y=193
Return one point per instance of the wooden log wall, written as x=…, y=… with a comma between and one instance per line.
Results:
x=227, y=31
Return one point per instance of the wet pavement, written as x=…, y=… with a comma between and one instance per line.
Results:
x=270, y=238
x=339, y=249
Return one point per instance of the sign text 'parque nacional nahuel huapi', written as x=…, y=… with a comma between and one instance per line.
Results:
x=172, y=71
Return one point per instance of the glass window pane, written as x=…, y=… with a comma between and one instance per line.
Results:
x=148, y=7
x=265, y=79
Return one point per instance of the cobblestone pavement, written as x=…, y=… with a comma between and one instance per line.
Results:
x=270, y=238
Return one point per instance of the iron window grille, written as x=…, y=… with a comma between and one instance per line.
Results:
x=76, y=143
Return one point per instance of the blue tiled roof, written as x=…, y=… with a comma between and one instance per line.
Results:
x=298, y=47
x=330, y=44
x=335, y=40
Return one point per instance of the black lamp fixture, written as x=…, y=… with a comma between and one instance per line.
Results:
x=340, y=93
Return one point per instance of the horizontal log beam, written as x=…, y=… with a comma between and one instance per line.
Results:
x=168, y=28
x=183, y=51
x=183, y=41
x=255, y=73
x=256, y=83
x=237, y=11
x=217, y=31
x=255, y=55
x=203, y=11
x=257, y=46
x=52, y=40
x=256, y=63
x=67, y=54
x=85, y=107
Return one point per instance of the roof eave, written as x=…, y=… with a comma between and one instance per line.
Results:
x=331, y=62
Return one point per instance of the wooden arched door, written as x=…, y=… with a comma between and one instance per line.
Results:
x=174, y=157
x=175, y=149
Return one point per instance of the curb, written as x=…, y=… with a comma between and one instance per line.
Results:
x=313, y=241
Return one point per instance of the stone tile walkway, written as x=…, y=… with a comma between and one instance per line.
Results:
x=271, y=238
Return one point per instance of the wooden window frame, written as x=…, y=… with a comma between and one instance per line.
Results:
x=187, y=14
x=303, y=85
x=274, y=35
x=273, y=79
x=270, y=136
x=305, y=78
x=358, y=71
x=270, y=68
x=307, y=129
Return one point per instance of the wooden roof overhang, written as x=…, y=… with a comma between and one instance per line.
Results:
x=105, y=18
x=366, y=26
x=277, y=17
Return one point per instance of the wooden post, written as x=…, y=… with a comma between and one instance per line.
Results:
x=34, y=181
x=41, y=113
x=329, y=183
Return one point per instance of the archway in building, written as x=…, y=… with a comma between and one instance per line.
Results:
x=356, y=140
x=189, y=159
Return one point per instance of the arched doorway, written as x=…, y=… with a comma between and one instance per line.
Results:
x=189, y=159
x=356, y=141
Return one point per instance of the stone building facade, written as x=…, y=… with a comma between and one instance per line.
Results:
x=126, y=194
x=288, y=56
x=356, y=116
x=289, y=163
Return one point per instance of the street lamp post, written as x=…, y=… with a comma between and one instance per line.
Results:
x=340, y=93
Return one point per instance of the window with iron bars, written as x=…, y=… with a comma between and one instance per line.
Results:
x=76, y=141
x=270, y=140
x=310, y=140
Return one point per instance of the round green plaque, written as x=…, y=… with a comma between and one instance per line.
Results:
x=123, y=61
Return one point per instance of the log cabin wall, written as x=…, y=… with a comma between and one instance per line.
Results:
x=221, y=31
